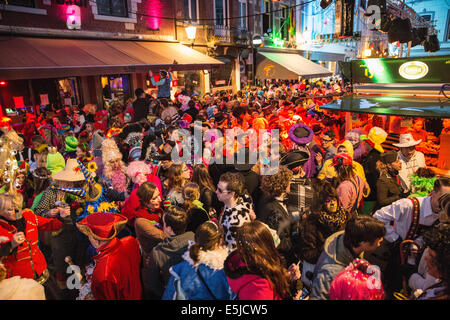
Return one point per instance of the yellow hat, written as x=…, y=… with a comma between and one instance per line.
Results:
x=377, y=136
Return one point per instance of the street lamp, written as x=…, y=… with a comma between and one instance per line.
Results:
x=191, y=31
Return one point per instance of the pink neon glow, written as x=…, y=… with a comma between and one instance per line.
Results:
x=72, y=17
x=154, y=10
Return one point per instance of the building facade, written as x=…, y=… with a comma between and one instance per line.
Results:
x=437, y=12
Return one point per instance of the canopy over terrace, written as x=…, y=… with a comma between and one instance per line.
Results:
x=35, y=58
x=287, y=66
x=393, y=106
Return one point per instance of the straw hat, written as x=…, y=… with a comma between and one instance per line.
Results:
x=102, y=226
x=72, y=172
x=407, y=140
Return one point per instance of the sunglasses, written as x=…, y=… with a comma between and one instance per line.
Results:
x=326, y=140
x=222, y=191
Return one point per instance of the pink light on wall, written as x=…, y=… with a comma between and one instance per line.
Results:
x=154, y=11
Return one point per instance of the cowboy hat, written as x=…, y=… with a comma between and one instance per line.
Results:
x=71, y=172
x=294, y=159
x=102, y=226
x=407, y=140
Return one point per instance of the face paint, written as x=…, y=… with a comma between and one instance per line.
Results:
x=331, y=205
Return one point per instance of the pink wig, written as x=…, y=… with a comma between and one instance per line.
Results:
x=119, y=181
x=138, y=171
x=359, y=281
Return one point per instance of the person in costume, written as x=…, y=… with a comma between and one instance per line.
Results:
x=352, y=283
x=116, y=275
x=97, y=198
x=114, y=169
x=374, y=140
x=206, y=256
x=9, y=167
x=64, y=242
x=411, y=158
x=422, y=182
x=71, y=144
x=328, y=171
x=405, y=219
x=20, y=252
x=389, y=188
x=301, y=135
x=83, y=153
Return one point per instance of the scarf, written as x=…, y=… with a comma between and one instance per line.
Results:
x=19, y=224
x=143, y=212
x=335, y=221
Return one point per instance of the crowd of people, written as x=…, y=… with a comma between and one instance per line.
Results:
x=98, y=190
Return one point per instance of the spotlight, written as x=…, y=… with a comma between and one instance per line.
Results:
x=325, y=3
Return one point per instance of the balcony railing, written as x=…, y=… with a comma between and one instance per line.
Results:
x=227, y=34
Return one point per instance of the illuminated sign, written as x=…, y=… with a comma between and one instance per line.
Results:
x=79, y=3
x=413, y=70
x=400, y=70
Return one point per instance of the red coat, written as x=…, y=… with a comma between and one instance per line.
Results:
x=117, y=272
x=29, y=261
x=131, y=204
x=246, y=285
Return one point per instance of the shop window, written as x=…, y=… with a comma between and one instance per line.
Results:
x=116, y=8
x=116, y=87
x=68, y=91
x=20, y=3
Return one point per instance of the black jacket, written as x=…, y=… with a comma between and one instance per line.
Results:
x=141, y=108
x=272, y=213
x=167, y=253
x=252, y=183
x=369, y=164
x=210, y=201
x=388, y=190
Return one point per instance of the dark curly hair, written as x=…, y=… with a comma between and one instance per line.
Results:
x=438, y=240
x=276, y=184
x=235, y=183
x=323, y=190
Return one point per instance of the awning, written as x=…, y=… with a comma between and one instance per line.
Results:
x=326, y=56
x=34, y=58
x=393, y=106
x=286, y=66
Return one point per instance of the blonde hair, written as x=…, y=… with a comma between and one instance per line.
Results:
x=4, y=199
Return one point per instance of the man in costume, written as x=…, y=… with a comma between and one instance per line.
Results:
x=117, y=272
x=405, y=219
